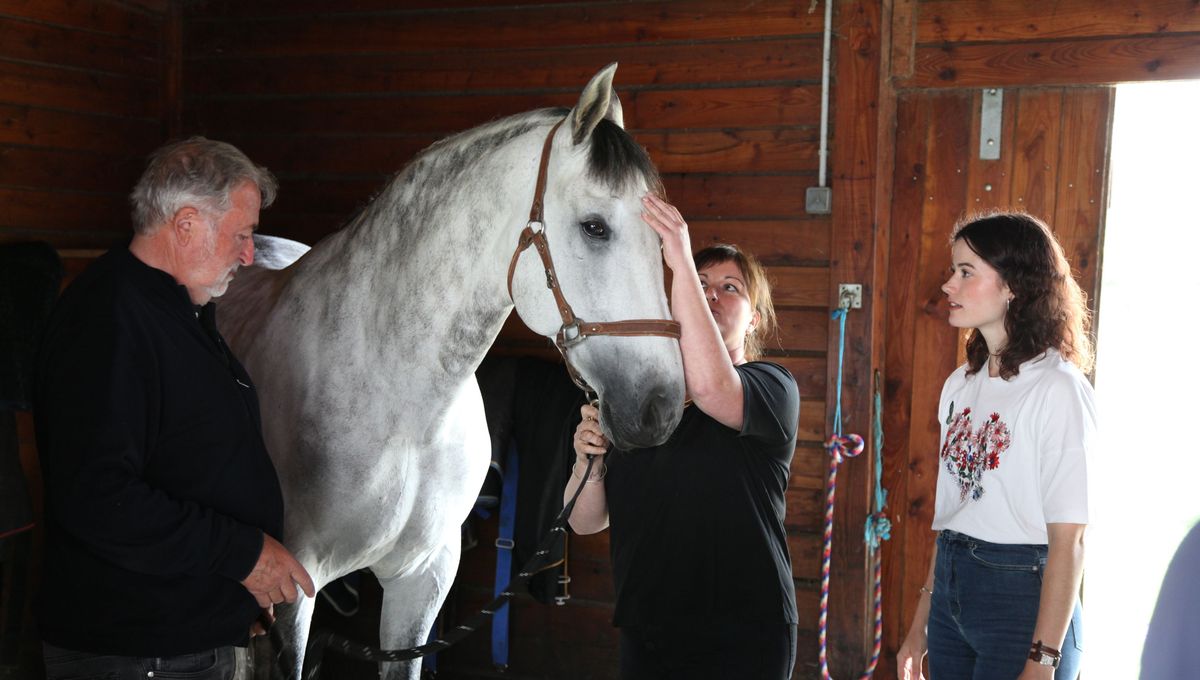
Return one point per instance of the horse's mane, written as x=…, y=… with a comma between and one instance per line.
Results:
x=614, y=158
x=617, y=160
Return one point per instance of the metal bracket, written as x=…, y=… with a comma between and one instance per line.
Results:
x=849, y=296
x=991, y=122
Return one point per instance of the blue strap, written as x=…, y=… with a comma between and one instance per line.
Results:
x=840, y=315
x=504, y=555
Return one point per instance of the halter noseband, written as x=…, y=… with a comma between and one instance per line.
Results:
x=573, y=330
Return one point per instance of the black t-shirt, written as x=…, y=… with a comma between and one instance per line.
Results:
x=697, y=523
x=158, y=484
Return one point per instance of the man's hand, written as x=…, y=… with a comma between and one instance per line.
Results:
x=276, y=574
x=262, y=625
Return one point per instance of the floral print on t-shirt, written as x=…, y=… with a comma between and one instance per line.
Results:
x=969, y=453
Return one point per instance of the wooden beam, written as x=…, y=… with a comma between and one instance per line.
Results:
x=1056, y=62
x=989, y=21
x=767, y=60
x=854, y=170
x=502, y=28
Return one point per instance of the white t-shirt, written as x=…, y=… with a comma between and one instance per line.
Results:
x=1014, y=452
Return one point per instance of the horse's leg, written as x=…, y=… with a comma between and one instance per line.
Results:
x=289, y=635
x=410, y=605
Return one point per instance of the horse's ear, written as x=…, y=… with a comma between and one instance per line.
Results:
x=597, y=102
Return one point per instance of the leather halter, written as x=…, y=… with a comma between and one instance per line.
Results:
x=573, y=330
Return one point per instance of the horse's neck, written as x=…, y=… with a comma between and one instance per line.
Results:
x=427, y=282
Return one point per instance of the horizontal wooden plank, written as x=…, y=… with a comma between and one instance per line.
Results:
x=739, y=197
x=1102, y=61
x=502, y=28
x=811, y=428
x=805, y=549
x=777, y=150
x=683, y=151
x=764, y=61
x=72, y=90
x=803, y=241
x=379, y=155
x=40, y=209
x=800, y=329
x=805, y=512
x=428, y=115
x=229, y=9
x=811, y=460
x=987, y=21
x=88, y=50
x=90, y=238
x=437, y=116
x=800, y=286
x=809, y=374
x=31, y=126
x=154, y=6
x=59, y=169
x=104, y=16
x=759, y=106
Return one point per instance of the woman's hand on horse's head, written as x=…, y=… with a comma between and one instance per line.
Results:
x=589, y=440
x=670, y=226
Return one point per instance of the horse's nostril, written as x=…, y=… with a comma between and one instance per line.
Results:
x=654, y=410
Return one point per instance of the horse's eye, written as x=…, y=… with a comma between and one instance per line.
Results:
x=596, y=229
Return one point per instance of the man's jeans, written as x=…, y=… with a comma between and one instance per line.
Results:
x=984, y=608
x=64, y=664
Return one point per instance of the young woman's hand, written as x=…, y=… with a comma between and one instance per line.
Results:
x=670, y=226
x=910, y=656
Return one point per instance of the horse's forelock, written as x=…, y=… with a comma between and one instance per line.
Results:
x=618, y=161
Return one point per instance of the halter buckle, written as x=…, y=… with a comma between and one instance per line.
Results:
x=571, y=334
x=538, y=229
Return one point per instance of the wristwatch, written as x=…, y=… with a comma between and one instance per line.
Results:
x=1043, y=655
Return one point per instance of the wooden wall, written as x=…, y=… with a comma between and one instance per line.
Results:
x=86, y=90
x=1053, y=164
x=725, y=96
x=334, y=97
x=982, y=43
x=1047, y=57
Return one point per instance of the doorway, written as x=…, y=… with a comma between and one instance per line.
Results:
x=1146, y=474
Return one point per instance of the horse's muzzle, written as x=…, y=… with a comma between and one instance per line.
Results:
x=648, y=423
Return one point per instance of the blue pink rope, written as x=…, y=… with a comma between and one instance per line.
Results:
x=878, y=528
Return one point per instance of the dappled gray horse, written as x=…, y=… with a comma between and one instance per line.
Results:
x=364, y=347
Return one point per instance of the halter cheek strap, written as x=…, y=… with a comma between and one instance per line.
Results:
x=573, y=330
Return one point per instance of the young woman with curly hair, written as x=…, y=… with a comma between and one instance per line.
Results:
x=1018, y=422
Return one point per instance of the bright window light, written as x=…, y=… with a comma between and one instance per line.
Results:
x=1146, y=475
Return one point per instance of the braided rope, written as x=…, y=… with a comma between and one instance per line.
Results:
x=878, y=528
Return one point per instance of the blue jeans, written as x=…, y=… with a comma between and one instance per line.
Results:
x=984, y=609
x=65, y=664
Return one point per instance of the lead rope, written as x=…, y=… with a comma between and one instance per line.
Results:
x=877, y=528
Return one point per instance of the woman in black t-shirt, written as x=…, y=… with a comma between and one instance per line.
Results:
x=700, y=559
